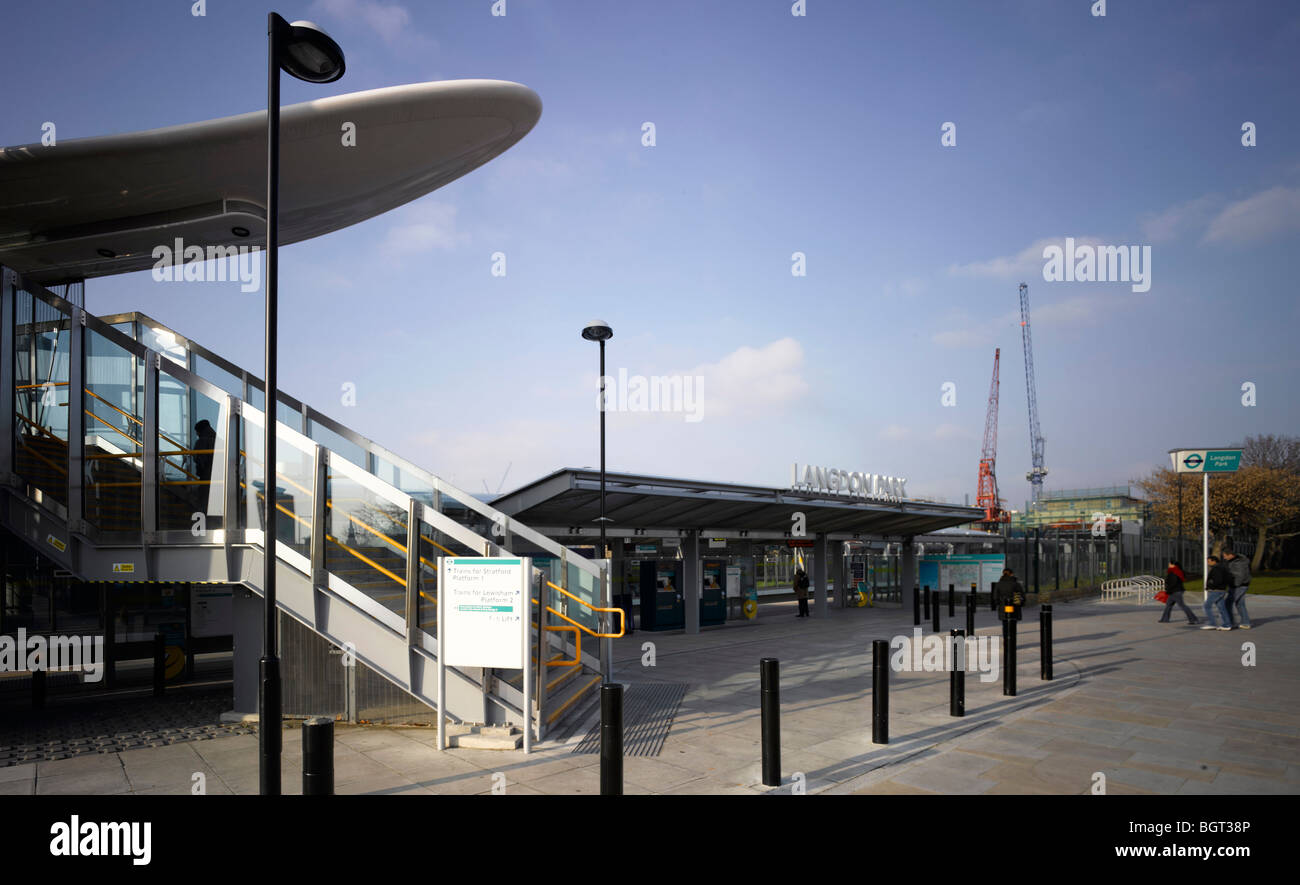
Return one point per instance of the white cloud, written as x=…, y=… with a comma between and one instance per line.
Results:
x=1067, y=313
x=754, y=381
x=1259, y=217
x=895, y=433
x=1025, y=265
x=391, y=21
x=422, y=226
x=953, y=431
x=1176, y=220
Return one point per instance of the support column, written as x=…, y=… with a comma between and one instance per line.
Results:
x=907, y=570
x=246, y=624
x=76, y=417
x=8, y=296
x=821, y=573
x=691, y=580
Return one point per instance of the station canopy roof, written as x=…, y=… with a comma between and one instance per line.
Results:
x=567, y=502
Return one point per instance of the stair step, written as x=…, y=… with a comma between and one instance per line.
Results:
x=484, y=737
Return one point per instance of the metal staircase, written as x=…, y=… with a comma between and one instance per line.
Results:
x=106, y=471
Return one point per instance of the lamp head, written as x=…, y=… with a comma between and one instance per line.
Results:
x=310, y=54
x=598, y=330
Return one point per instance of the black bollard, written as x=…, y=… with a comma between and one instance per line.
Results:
x=1045, y=641
x=970, y=612
x=318, y=757
x=926, y=596
x=916, y=606
x=611, y=739
x=38, y=689
x=880, y=691
x=993, y=602
x=770, y=695
x=957, y=678
x=159, y=665
x=935, y=623
x=952, y=602
x=1008, y=652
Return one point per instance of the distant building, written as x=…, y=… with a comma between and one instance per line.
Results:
x=1077, y=508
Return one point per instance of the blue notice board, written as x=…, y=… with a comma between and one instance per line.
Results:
x=937, y=572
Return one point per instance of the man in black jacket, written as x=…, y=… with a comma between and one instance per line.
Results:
x=1239, y=569
x=1217, y=581
x=1007, y=591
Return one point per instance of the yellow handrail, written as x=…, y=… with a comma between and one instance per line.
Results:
x=622, y=616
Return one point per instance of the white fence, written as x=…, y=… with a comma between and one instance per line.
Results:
x=1141, y=589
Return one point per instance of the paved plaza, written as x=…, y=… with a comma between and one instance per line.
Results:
x=1154, y=708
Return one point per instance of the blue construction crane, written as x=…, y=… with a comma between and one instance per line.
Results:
x=1036, y=474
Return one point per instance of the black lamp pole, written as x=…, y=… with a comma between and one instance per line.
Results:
x=599, y=330
x=268, y=701
x=602, y=448
x=308, y=53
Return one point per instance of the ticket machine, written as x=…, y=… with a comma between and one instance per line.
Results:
x=661, y=595
x=713, y=592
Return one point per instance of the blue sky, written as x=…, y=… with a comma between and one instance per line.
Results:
x=774, y=134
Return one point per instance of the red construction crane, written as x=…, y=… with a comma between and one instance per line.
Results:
x=987, y=494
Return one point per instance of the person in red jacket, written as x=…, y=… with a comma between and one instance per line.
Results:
x=1174, y=592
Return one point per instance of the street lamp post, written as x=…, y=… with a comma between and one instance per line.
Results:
x=599, y=330
x=302, y=50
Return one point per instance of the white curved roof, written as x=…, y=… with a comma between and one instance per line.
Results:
x=60, y=205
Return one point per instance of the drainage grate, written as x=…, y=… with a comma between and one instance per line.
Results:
x=648, y=711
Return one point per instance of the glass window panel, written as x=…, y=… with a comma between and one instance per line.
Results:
x=113, y=402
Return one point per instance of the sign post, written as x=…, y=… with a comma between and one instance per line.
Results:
x=1205, y=462
x=483, y=621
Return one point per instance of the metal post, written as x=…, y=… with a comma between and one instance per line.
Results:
x=1045, y=641
x=957, y=676
x=1205, y=536
x=770, y=696
x=1057, y=556
x=159, y=665
x=952, y=602
x=1008, y=651
x=925, y=595
x=268, y=730
x=916, y=606
x=880, y=691
x=970, y=611
x=318, y=757
x=935, y=625
x=993, y=603
x=611, y=739
x=602, y=553
x=1036, y=558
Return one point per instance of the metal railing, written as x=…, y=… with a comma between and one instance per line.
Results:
x=233, y=493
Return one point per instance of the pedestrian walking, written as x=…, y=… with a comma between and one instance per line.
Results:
x=1239, y=569
x=1217, y=579
x=801, y=590
x=1174, y=589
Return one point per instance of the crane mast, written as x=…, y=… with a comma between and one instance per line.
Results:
x=1037, y=470
x=987, y=489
